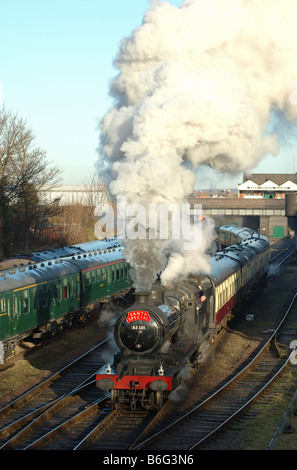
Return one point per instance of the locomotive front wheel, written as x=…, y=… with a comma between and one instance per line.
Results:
x=114, y=397
x=159, y=400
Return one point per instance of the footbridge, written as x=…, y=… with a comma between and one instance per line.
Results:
x=268, y=216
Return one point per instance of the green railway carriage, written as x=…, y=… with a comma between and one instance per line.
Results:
x=104, y=275
x=41, y=298
x=34, y=296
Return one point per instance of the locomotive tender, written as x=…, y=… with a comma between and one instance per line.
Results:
x=38, y=299
x=164, y=330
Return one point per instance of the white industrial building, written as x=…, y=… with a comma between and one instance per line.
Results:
x=267, y=186
x=67, y=195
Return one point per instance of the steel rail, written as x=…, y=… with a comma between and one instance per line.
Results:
x=199, y=443
x=19, y=400
x=39, y=410
x=37, y=444
x=138, y=444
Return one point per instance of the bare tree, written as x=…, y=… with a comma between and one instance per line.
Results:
x=24, y=169
x=96, y=191
x=77, y=219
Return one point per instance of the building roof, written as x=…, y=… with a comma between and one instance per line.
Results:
x=76, y=194
x=277, y=178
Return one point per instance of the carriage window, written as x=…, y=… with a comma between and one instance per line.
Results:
x=59, y=292
x=36, y=300
x=65, y=292
x=3, y=305
x=118, y=274
x=15, y=305
x=104, y=274
x=94, y=276
x=44, y=297
x=88, y=280
x=26, y=302
x=99, y=274
x=71, y=288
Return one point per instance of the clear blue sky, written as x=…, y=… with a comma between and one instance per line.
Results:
x=55, y=65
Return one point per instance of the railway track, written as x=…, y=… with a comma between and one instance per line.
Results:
x=282, y=253
x=97, y=427
x=52, y=402
x=67, y=411
x=120, y=429
x=215, y=412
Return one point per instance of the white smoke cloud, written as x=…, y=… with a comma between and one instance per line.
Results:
x=182, y=262
x=196, y=86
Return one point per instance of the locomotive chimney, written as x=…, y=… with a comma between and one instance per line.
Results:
x=142, y=297
x=155, y=296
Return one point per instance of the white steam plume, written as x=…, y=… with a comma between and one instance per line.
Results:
x=196, y=86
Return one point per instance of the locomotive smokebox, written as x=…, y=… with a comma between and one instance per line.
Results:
x=146, y=325
x=154, y=296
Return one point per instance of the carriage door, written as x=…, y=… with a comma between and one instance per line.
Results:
x=109, y=274
x=204, y=304
x=4, y=320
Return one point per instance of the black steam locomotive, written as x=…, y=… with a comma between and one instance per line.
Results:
x=164, y=330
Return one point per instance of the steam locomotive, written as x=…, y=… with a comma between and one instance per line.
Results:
x=164, y=330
